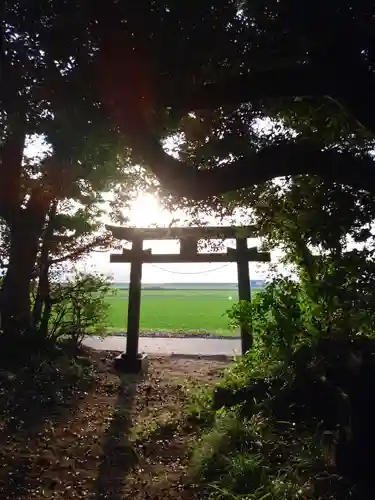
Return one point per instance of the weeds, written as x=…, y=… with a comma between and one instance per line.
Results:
x=199, y=406
x=269, y=430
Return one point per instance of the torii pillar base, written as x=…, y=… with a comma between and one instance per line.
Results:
x=131, y=365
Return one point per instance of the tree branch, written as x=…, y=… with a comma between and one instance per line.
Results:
x=89, y=247
x=286, y=159
x=323, y=77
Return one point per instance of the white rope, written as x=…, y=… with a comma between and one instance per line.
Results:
x=196, y=272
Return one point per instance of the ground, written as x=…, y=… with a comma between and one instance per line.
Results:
x=176, y=310
x=108, y=438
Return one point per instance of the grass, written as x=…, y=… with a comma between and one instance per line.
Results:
x=267, y=435
x=199, y=311
x=245, y=452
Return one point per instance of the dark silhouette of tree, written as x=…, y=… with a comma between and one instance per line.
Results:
x=315, y=58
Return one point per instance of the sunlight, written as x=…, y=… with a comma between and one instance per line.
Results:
x=146, y=210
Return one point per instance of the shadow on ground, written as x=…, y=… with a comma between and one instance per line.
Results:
x=118, y=454
x=71, y=428
x=34, y=398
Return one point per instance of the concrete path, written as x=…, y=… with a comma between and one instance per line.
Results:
x=171, y=345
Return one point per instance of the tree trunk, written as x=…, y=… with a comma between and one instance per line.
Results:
x=42, y=294
x=15, y=298
x=46, y=315
x=40, y=316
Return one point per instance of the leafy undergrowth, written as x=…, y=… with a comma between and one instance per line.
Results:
x=305, y=431
x=71, y=428
x=181, y=332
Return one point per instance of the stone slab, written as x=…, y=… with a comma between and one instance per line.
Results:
x=171, y=345
x=137, y=366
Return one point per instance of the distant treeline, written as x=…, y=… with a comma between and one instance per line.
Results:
x=189, y=286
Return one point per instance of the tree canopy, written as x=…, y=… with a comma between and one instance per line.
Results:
x=309, y=65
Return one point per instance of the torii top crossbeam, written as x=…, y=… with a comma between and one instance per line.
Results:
x=171, y=233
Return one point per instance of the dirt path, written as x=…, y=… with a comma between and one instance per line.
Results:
x=124, y=440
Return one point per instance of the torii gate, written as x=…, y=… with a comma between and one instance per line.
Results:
x=130, y=361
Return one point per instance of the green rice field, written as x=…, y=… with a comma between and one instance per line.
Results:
x=178, y=310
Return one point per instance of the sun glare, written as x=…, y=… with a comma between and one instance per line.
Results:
x=146, y=210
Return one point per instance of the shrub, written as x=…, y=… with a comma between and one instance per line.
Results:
x=293, y=418
x=80, y=306
x=279, y=317
x=199, y=406
x=297, y=431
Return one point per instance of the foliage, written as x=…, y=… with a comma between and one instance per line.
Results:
x=276, y=317
x=309, y=373
x=325, y=232
x=198, y=408
x=252, y=457
x=80, y=306
x=48, y=87
x=299, y=431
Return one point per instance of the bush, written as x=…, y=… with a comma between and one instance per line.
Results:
x=293, y=418
x=287, y=432
x=80, y=307
x=199, y=406
x=279, y=317
x=287, y=314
